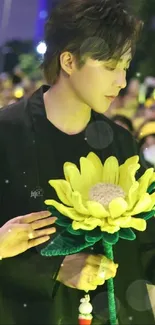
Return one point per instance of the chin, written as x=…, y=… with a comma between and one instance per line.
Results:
x=100, y=110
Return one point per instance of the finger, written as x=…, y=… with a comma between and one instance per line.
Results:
x=87, y=287
x=106, y=263
x=110, y=274
x=19, y=229
x=107, y=272
x=88, y=275
x=100, y=282
x=37, y=241
x=94, y=260
x=84, y=284
x=35, y=216
x=44, y=232
x=96, y=278
x=43, y=223
x=97, y=281
x=89, y=270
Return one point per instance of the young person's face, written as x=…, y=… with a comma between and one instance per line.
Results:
x=98, y=83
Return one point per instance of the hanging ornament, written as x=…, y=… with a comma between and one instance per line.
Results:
x=85, y=310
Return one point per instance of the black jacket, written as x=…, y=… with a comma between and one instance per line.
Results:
x=32, y=151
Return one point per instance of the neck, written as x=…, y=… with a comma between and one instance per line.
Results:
x=65, y=110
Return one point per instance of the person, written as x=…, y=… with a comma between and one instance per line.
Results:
x=124, y=122
x=89, y=48
x=146, y=137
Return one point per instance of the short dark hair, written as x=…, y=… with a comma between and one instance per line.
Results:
x=99, y=29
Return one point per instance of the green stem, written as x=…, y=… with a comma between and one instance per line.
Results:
x=111, y=295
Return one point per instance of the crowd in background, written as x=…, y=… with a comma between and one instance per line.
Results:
x=135, y=110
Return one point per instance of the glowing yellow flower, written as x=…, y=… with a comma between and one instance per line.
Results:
x=106, y=196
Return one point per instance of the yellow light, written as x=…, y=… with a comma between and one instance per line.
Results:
x=19, y=92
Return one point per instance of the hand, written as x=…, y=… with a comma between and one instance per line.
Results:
x=22, y=233
x=86, y=272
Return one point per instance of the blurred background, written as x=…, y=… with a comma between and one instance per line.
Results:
x=21, y=52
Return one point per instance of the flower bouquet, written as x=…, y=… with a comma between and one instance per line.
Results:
x=100, y=202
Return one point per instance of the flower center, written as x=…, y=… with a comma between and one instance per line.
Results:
x=105, y=193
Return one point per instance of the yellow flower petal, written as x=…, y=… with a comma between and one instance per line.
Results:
x=117, y=207
x=92, y=220
x=87, y=224
x=144, y=181
x=97, y=210
x=142, y=205
x=68, y=212
x=111, y=171
x=121, y=222
x=97, y=164
x=136, y=223
x=109, y=228
x=127, y=173
x=63, y=190
x=131, y=160
x=132, y=196
x=88, y=174
x=127, y=176
x=78, y=204
x=129, y=222
x=73, y=176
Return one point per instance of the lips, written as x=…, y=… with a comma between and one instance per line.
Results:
x=111, y=97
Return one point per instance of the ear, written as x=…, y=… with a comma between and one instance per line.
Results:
x=67, y=62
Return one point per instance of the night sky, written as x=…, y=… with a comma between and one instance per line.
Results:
x=23, y=20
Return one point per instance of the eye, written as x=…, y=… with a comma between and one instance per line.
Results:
x=110, y=69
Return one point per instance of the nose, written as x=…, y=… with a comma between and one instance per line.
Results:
x=121, y=79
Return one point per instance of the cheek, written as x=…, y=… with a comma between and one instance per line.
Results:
x=93, y=81
x=83, y=82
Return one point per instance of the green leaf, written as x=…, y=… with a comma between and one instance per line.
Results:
x=110, y=238
x=75, y=232
x=151, y=188
x=147, y=215
x=64, y=245
x=62, y=222
x=94, y=236
x=127, y=234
